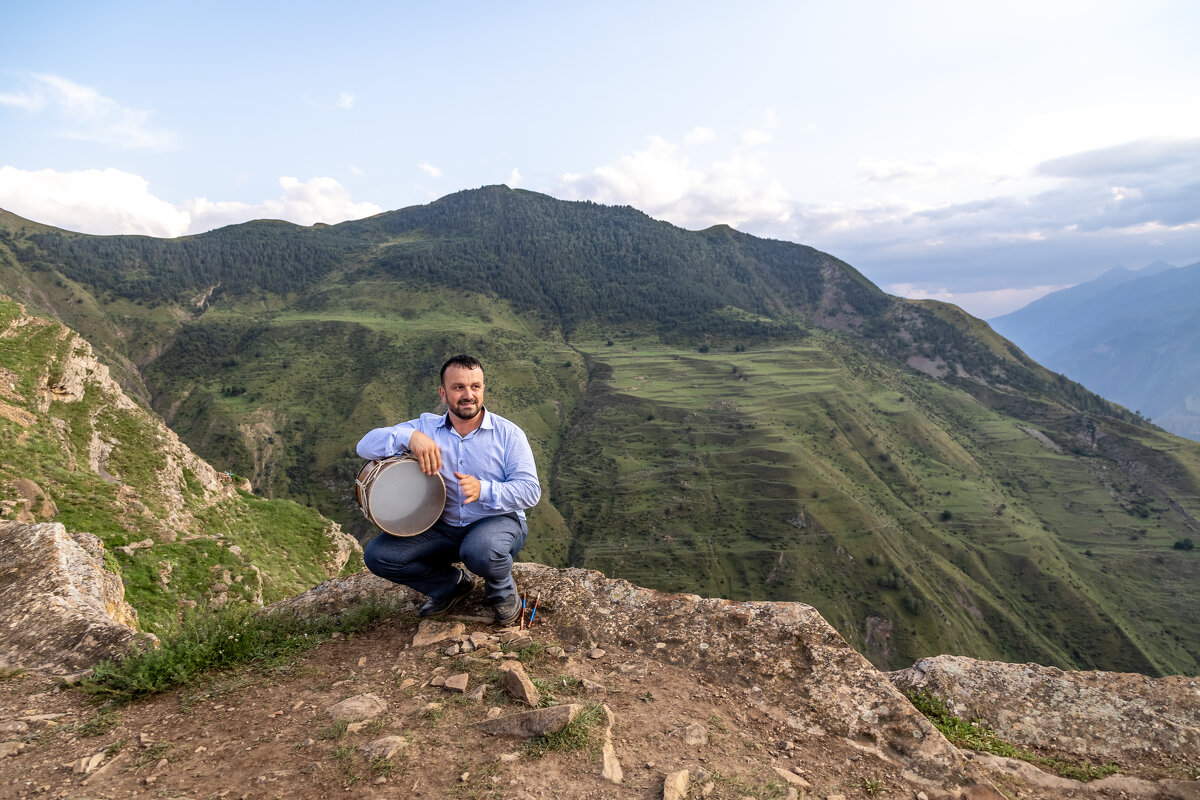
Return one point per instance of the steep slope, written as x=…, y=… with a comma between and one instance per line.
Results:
x=1133, y=337
x=76, y=450
x=710, y=412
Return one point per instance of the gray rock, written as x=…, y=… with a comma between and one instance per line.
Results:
x=60, y=609
x=386, y=748
x=611, y=771
x=695, y=735
x=527, y=724
x=360, y=707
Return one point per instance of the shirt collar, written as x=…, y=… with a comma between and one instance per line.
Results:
x=487, y=420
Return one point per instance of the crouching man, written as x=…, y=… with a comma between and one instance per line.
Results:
x=490, y=479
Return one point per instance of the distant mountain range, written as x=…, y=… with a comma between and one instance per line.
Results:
x=710, y=412
x=1133, y=337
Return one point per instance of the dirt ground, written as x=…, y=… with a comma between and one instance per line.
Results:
x=264, y=733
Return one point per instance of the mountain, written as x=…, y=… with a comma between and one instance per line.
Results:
x=711, y=413
x=74, y=449
x=1133, y=337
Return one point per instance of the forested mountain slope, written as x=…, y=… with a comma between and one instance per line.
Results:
x=711, y=412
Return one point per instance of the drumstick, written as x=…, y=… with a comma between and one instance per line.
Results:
x=534, y=611
x=522, y=626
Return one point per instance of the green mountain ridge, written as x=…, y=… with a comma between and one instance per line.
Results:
x=711, y=413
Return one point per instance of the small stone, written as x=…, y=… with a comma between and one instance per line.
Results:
x=527, y=724
x=11, y=748
x=385, y=748
x=16, y=726
x=380, y=780
x=508, y=757
x=519, y=685
x=922, y=796
x=611, y=770
x=408, y=683
x=458, y=683
x=695, y=735
x=429, y=708
x=431, y=631
x=359, y=707
x=453, y=649
x=150, y=780
x=556, y=651
x=595, y=652
x=675, y=785
x=362, y=662
x=792, y=778
x=494, y=712
x=478, y=639
x=438, y=680
x=708, y=788
x=463, y=778
x=355, y=727
x=477, y=693
x=593, y=686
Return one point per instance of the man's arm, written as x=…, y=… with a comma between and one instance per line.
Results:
x=520, y=489
x=393, y=440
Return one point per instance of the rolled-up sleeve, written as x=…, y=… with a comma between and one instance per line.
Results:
x=385, y=442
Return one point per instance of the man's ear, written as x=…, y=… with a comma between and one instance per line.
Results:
x=442, y=393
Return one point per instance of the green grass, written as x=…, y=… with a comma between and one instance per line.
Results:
x=579, y=734
x=215, y=642
x=977, y=736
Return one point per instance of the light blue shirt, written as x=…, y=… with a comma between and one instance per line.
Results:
x=497, y=453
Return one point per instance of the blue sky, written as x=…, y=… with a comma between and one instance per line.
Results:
x=983, y=153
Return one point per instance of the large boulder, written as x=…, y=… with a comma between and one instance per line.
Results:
x=60, y=609
x=1101, y=715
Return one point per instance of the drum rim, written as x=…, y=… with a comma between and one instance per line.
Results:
x=366, y=477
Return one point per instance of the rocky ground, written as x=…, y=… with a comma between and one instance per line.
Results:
x=284, y=731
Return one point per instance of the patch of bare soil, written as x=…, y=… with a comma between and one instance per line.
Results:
x=264, y=733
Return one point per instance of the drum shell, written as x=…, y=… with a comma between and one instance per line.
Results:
x=397, y=497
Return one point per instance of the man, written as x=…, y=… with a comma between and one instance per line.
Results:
x=490, y=478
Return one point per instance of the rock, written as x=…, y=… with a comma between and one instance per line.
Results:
x=453, y=649
x=494, y=712
x=60, y=609
x=478, y=639
x=695, y=735
x=611, y=771
x=519, y=685
x=438, y=680
x=431, y=631
x=1100, y=716
x=15, y=726
x=527, y=724
x=458, y=683
x=88, y=764
x=792, y=778
x=11, y=748
x=353, y=727
x=385, y=748
x=359, y=707
x=595, y=652
x=675, y=785
x=593, y=686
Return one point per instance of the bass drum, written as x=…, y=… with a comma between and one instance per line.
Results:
x=396, y=496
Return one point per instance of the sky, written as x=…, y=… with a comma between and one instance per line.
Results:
x=982, y=153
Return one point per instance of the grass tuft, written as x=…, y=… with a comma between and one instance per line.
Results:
x=577, y=735
x=215, y=642
x=977, y=736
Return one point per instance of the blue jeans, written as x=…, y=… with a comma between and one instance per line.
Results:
x=425, y=562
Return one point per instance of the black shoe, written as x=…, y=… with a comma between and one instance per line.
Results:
x=508, y=609
x=435, y=607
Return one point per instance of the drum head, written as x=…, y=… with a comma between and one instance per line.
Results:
x=399, y=498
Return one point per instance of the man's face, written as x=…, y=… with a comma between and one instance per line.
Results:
x=462, y=391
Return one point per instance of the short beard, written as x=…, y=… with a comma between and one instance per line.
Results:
x=456, y=413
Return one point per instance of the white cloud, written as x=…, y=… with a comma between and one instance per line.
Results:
x=356, y=171
x=110, y=201
x=755, y=138
x=87, y=115
x=661, y=181
x=429, y=169
x=514, y=179
x=345, y=100
x=982, y=304
x=699, y=135
x=90, y=201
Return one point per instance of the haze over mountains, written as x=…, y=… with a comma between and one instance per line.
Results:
x=1131, y=336
x=711, y=413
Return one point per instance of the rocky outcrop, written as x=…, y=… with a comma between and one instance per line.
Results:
x=1099, y=715
x=786, y=657
x=60, y=609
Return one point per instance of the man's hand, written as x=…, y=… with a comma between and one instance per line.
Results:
x=427, y=453
x=469, y=485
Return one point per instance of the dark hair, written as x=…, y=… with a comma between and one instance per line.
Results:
x=470, y=362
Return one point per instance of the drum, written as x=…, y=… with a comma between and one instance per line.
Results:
x=396, y=496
